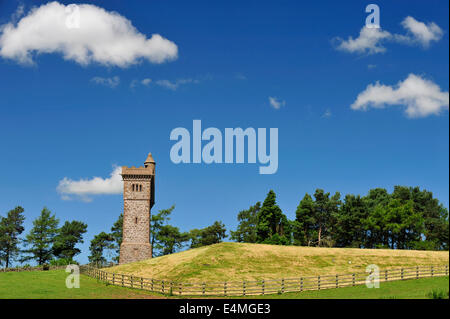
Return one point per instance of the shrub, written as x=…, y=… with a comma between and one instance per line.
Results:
x=438, y=294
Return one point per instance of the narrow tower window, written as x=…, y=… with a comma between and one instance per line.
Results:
x=140, y=188
x=135, y=220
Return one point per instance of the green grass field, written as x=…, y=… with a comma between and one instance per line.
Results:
x=51, y=285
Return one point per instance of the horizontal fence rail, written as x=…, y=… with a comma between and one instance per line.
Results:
x=259, y=287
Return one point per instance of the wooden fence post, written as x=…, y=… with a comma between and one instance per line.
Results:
x=337, y=281
x=432, y=271
x=114, y=278
x=282, y=285
x=401, y=274
x=163, y=286
x=225, y=288
x=417, y=272
x=385, y=275
x=122, y=280
x=243, y=287
x=131, y=279
x=353, y=279
x=142, y=283
x=263, y=286
x=446, y=270
x=203, y=288
x=301, y=284
x=152, y=284
x=181, y=288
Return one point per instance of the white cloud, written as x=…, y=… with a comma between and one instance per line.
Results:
x=371, y=40
x=83, y=33
x=327, y=114
x=173, y=85
x=146, y=81
x=111, y=82
x=84, y=188
x=420, y=96
x=276, y=103
x=18, y=13
x=422, y=33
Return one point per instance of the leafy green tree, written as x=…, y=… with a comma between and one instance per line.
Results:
x=69, y=235
x=41, y=236
x=325, y=209
x=435, y=219
x=350, y=227
x=11, y=227
x=97, y=247
x=170, y=239
x=157, y=221
x=207, y=236
x=403, y=224
x=117, y=235
x=246, y=230
x=303, y=227
x=271, y=221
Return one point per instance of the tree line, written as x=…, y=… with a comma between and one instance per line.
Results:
x=408, y=218
x=45, y=243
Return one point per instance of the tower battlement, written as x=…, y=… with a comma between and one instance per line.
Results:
x=138, y=199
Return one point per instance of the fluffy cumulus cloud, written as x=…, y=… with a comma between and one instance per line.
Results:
x=84, y=188
x=111, y=82
x=420, y=97
x=422, y=33
x=83, y=33
x=372, y=40
x=276, y=103
x=369, y=41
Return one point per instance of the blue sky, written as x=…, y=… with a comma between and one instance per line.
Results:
x=60, y=118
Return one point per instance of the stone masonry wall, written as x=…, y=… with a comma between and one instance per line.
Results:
x=136, y=220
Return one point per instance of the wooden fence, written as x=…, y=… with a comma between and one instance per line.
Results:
x=259, y=287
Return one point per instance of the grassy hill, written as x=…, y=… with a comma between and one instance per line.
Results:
x=238, y=261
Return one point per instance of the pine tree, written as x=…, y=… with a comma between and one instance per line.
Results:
x=117, y=235
x=69, y=235
x=11, y=227
x=304, y=223
x=246, y=230
x=41, y=237
x=97, y=247
x=273, y=226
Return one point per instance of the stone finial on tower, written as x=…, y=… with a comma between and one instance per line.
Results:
x=150, y=163
x=149, y=160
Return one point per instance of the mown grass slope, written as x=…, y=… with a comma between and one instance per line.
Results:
x=52, y=285
x=238, y=261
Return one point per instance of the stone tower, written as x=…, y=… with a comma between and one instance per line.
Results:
x=138, y=199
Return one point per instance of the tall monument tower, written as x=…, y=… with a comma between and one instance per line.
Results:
x=138, y=199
